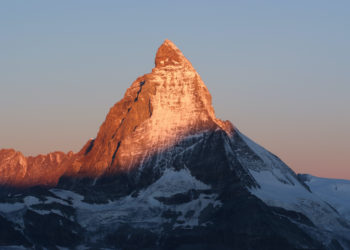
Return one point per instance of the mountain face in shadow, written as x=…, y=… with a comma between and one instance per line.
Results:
x=164, y=173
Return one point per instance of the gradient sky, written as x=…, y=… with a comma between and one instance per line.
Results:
x=279, y=70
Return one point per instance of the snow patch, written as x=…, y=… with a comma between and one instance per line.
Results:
x=144, y=209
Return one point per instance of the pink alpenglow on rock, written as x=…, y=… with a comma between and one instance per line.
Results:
x=157, y=111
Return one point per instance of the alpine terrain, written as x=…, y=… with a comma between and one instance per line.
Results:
x=164, y=173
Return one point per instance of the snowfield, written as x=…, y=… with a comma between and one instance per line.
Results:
x=144, y=209
x=325, y=202
x=336, y=192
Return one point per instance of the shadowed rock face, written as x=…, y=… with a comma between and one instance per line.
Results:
x=157, y=111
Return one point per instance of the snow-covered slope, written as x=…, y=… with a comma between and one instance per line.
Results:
x=176, y=199
x=281, y=187
x=147, y=208
x=336, y=192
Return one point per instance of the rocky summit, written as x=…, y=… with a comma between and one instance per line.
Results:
x=164, y=173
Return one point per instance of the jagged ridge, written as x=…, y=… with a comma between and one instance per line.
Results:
x=157, y=111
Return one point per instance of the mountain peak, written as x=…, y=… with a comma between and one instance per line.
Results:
x=159, y=110
x=170, y=55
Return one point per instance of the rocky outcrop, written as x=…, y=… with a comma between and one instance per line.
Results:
x=19, y=171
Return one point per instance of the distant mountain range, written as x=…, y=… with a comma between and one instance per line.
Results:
x=165, y=173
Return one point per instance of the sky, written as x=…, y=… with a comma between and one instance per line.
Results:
x=278, y=70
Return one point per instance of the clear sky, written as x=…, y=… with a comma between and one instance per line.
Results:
x=279, y=70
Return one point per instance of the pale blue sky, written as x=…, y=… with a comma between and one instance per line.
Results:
x=279, y=70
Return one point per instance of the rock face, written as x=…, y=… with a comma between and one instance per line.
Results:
x=164, y=173
x=16, y=170
x=158, y=110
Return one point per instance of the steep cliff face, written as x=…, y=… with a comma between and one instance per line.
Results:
x=158, y=110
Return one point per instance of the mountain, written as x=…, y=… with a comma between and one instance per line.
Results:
x=138, y=126
x=164, y=173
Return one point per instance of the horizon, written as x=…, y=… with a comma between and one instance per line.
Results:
x=285, y=88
